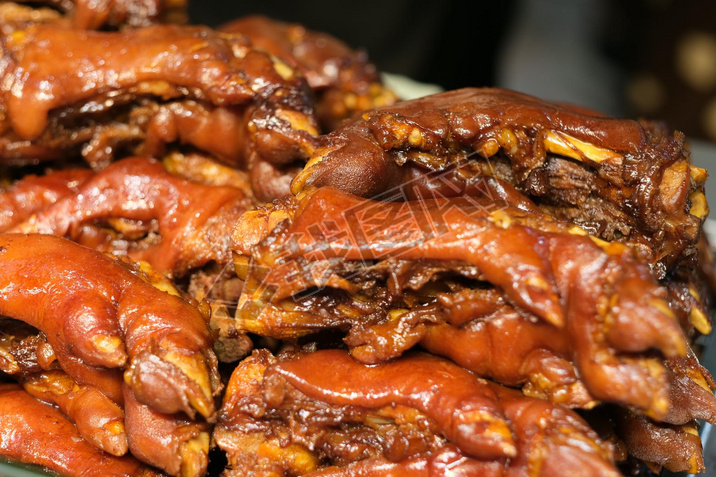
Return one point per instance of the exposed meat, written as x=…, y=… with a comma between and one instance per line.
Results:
x=343, y=80
x=289, y=416
x=620, y=179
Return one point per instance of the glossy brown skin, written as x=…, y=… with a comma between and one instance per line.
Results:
x=343, y=80
x=676, y=448
x=505, y=346
x=194, y=220
x=33, y=193
x=641, y=176
x=524, y=273
x=99, y=420
x=436, y=387
x=256, y=416
x=461, y=405
x=513, y=350
x=553, y=440
x=173, y=443
x=123, y=55
x=542, y=267
x=210, y=90
x=28, y=358
x=218, y=132
x=97, y=315
x=446, y=461
x=37, y=433
x=692, y=391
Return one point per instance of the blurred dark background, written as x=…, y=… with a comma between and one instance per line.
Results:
x=450, y=43
x=632, y=58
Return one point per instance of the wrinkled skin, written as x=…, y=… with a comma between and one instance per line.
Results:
x=543, y=267
x=224, y=97
x=620, y=179
x=193, y=221
x=121, y=325
x=386, y=402
x=56, y=444
x=343, y=80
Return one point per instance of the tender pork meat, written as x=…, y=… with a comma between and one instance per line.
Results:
x=343, y=80
x=324, y=414
x=619, y=179
x=205, y=90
